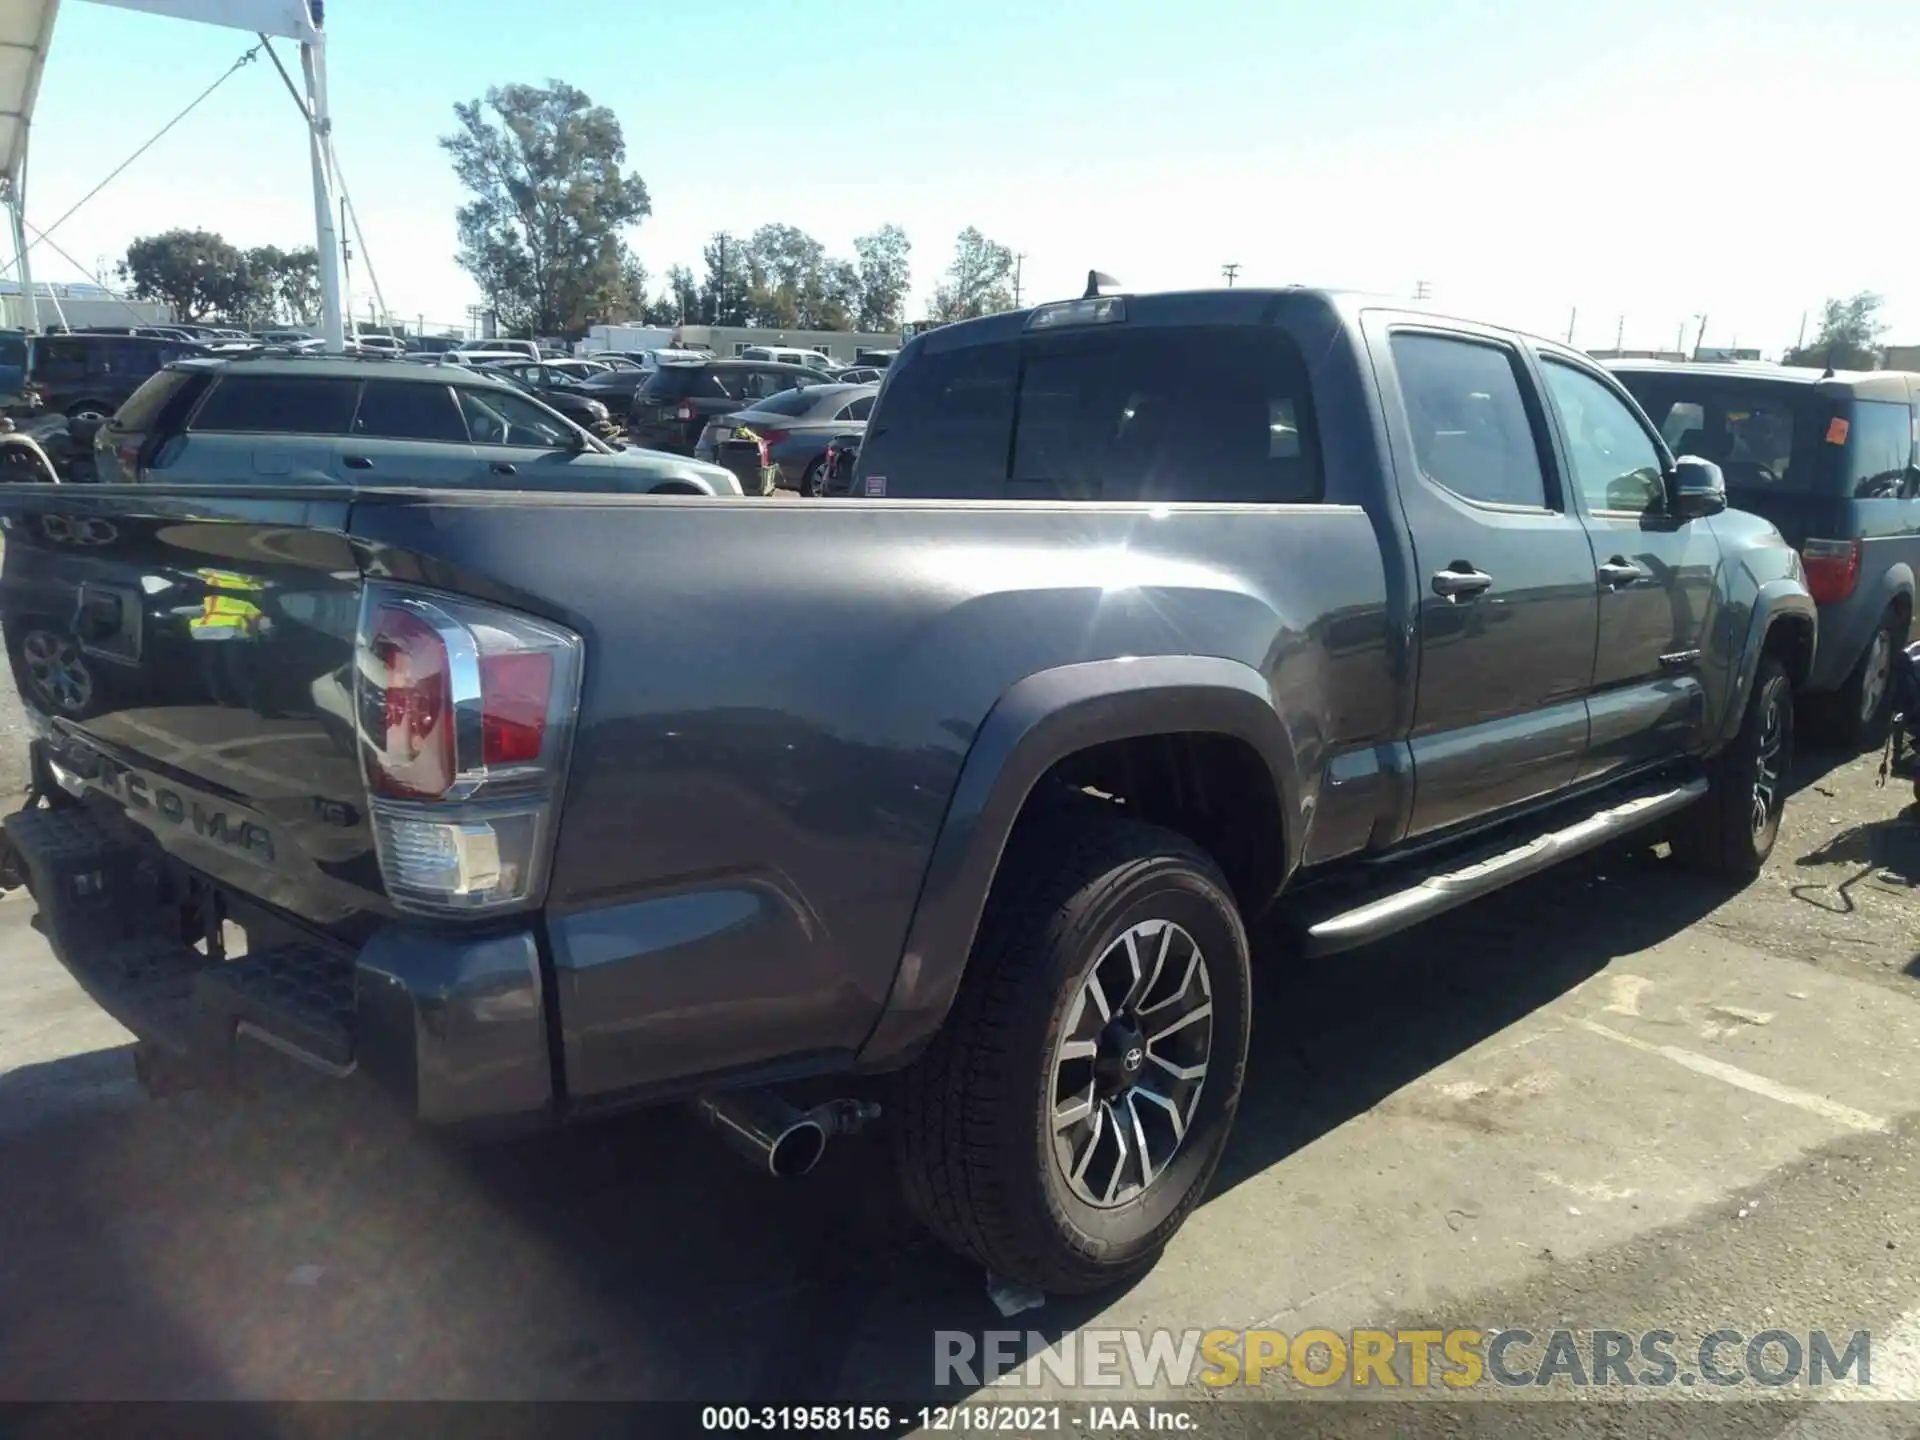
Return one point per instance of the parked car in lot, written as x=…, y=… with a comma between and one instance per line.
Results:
x=861, y=375
x=1239, y=604
x=673, y=404
x=290, y=339
x=494, y=348
x=389, y=345
x=616, y=386
x=1830, y=459
x=787, y=355
x=92, y=375
x=562, y=391
x=302, y=421
x=781, y=442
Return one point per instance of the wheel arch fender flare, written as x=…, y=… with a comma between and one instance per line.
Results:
x=1037, y=722
x=1783, y=600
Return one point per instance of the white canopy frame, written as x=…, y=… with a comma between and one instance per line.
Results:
x=26, y=32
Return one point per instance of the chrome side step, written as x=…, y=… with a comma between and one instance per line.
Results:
x=1437, y=893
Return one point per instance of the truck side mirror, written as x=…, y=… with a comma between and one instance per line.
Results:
x=1696, y=487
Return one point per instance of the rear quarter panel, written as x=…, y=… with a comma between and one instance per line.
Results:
x=779, y=698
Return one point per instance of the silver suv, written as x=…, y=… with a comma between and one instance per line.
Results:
x=311, y=420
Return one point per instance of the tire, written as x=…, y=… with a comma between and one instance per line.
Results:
x=91, y=410
x=979, y=1157
x=813, y=482
x=1855, y=716
x=1721, y=834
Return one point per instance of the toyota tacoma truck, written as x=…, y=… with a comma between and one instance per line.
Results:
x=1150, y=619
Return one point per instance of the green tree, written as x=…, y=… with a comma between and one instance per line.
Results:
x=195, y=271
x=1849, y=335
x=885, y=274
x=542, y=235
x=285, y=283
x=978, y=282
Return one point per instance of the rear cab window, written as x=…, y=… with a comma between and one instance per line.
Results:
x=683, y=382
x=1198, y=414
x=143, y=407
x=278, y=404
x=1766, y=437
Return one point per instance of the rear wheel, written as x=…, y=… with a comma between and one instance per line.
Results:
x=1855, y=716
x=1070, y=1114
x=1732, y=830
x=811, y=484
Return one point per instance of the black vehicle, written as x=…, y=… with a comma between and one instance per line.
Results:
x=91, y=375
x=561, y=390
x=1238, y=604
x=843, y=454
x=1831, y=459
x=673, y=404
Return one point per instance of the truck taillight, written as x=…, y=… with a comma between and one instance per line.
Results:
x=465, y=717
x=1833, y=568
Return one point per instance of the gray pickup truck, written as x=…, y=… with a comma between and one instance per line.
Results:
x=1153, y=617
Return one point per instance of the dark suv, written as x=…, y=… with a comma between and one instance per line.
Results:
x=1830, y=459
x=89, y=376
x=674, y=403
x=318, y=419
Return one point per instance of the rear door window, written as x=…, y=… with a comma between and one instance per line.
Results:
x=858, y=410
x=1879, y=449
x=1471, y=431
x=279, y=404
x=395, y=410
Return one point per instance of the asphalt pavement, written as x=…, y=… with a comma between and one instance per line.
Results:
x=1614, y=1097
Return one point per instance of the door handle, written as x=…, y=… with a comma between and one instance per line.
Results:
x=1620, y=572
x=503, y=467
x=357, y=462
x=1460, y=581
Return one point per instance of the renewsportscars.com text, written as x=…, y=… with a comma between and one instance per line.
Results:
x=1383, y=1360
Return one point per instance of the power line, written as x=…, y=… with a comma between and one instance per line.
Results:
x=231, y=71
x=118, y=300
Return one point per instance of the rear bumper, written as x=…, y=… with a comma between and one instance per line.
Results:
x=453, y=1025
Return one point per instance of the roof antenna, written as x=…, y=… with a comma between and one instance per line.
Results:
x=1094, y=281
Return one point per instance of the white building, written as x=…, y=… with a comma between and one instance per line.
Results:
x=77, y=306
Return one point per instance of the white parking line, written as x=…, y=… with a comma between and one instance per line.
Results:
x=1746, y=1080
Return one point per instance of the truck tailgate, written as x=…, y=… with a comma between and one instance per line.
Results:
x=192, y=658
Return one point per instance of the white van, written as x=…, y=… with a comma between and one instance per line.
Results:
x=782, y=355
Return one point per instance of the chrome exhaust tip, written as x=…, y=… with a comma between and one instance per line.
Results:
x=766, y=1131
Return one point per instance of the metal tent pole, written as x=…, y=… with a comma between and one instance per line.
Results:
x=313, y=65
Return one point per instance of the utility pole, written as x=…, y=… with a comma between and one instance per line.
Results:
x=1620, y=335
x=1700, y=335
x=1572, y=315
x=1801, y=343
x=1230, y=271
x=720, y=285
x=1680, y=341
x=1018, y=260
x=1423, y=290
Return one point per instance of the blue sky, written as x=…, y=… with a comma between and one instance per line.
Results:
x=1652, y=161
